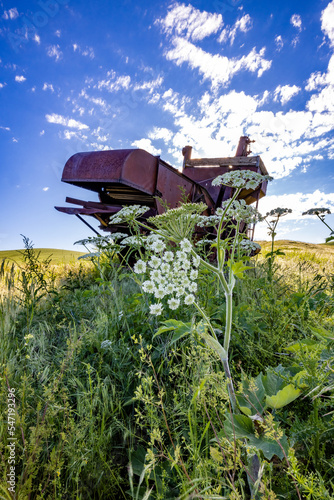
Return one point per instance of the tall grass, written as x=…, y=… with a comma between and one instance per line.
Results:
x=106, y=411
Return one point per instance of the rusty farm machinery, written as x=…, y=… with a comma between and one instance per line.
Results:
x=134, y=176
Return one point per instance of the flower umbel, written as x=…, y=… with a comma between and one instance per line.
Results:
x=241, y=179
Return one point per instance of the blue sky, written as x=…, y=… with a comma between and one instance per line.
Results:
x=86, y=76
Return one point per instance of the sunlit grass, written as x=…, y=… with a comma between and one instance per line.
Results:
x=319, y=256
x=57, y=256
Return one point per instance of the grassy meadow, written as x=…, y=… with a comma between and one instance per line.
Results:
x=57, y=256
x=104, y=400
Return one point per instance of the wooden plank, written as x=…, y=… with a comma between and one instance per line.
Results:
x=235, y=161
x=92, y=204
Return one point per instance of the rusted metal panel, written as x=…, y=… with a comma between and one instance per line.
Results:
x=170, y=185
x=132, y=167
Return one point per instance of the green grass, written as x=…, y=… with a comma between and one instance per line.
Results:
x=93, y=382
x=57, y=256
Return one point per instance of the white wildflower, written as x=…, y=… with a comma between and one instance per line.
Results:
x=193, y=274
x=192, y=287
x=279, y=212
x=158, y=246
x=159, y=293
x=148, y=286
x=106, y=344
x=165, y=268
x=155, y=275
x=185, y=245
x=317, y=211
x=249, y=245
x=196, y=260
x=154, y=262
x=189, y=299
x=156, y=309
x=179, y=290
x=241, y=179
x=168, y=256
x=173, y=303
x=169, y=289
x=139, y=267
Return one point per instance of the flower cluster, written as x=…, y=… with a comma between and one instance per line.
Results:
x=249, y=246
x=178, y=223
x=106, y=344
x=128, y=213
x=171, y=275
x=317, y=211
x=279, y=212
x=240, y=211
x=241, y=179
x=237, y=211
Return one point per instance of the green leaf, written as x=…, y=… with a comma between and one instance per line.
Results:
x=330, y=238
x=215, y=345
x=274, y=381
x=242, y=427
x=252, y=399
x=239, y=426
x=238, y=269
x=173, y=324
x=297, y=346
x=285, y=396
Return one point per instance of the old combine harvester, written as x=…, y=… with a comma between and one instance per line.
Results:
x=133, y=176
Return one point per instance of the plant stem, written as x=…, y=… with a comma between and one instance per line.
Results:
x=228, y=322
x=230, y=386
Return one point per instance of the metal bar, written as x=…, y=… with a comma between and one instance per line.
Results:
x=87, y=224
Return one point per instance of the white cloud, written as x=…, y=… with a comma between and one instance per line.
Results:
x=66, y=122
x=279, y=42
x=150, y=85
x=213, y=125
x=243, y=24
x=4, y=128
x=10, y=14
x=99, y=136
x=114, y=83
x=299, y=203
x=48, y=86
x=54, y=51
x=58, y=33
x=46, y=188
x=99, y=147
x=219, y=69
x=189, y=22
x=147, y=146
x=327, y=22
x=2, y=85
x=296, y=21
x=87, y=52
x=20, y=78
x=285, y=93
x=37, y=39
x=42, y=132
x=161, y=133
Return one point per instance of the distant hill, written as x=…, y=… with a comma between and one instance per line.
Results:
x=57, y=256
x=321, y=253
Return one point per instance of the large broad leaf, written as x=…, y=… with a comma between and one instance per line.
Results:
x=283, y=397
x=181, y=329
x=242, y=427
x=274, y=380
x=252, y=399
x=215, y=345
x=297, y=346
